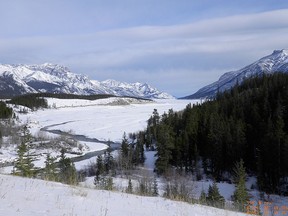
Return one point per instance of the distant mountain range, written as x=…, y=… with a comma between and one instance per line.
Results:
x=53, y=78
x=276, y=62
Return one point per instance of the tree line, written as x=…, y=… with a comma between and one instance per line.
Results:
x=5, y=112
x=37, y=100
x=248, y=122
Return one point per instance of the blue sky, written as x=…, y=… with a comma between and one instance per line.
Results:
x=177, y=46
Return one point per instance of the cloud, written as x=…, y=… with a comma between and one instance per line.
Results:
x=168, y=56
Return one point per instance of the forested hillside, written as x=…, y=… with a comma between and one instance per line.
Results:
x=248, y=122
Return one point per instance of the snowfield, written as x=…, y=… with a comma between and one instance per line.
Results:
x=27, y=197
x=102, y=119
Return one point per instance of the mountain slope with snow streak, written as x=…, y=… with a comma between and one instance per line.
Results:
x=276, y=62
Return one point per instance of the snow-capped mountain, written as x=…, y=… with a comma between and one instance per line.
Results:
x=276, y=62
x=52, y=78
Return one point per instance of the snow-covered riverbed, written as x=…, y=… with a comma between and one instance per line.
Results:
x=104, y=122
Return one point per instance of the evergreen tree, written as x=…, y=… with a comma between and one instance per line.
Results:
x=109, y=162
x=130, y=187
x=124, y=146
x=24, y=165
x=155, y=187
x=203, y=197
x=50, y=170
x=240, y=194
x=126, y=154
x=67, y=172
x=105, y=183
x=109, y=185
x=214, y=198
x=99, y=165
x=164, y=148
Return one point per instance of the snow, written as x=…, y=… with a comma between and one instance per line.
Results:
x=275, y=62
x=26, y=197
x=107, y=122
x=71, y=83
x=104, y=120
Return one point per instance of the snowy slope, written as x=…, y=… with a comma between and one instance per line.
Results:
x=21, y=79
x=276, y=62
x=25, y=197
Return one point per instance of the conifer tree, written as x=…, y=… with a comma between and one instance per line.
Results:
x=214, y=198
x=67, y=172
x=203, y=197
x=50, y=170
x=109, y=163
x=126, y=154
x=155, y=187
x=100, y=165
x=24, y=165
x=240, y=194
x=130, y=187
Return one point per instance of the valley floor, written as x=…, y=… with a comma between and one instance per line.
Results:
x=105, y=122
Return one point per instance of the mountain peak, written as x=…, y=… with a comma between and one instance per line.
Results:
x=275, y=62
x=53, y=78
x=281, y=52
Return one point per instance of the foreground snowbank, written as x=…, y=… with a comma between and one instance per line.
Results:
x=21, y=196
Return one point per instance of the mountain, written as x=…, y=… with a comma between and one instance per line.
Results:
x=276, y=62
x=53, y=78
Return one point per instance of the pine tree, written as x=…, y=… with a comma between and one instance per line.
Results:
x=24, y=165
x=109, y=162
x=106, y=183
x=203, y=197
x=129, y=189
x=99, y=165
x=126, y=154
x=214, y=198
x=50, y=170
x=67, y=172
x=240, y=194
x=124, y=146
x=155, y=187
x=164, y=147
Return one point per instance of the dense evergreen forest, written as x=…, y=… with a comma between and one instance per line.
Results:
x=248, y=122
x=35, y=101
x=5, y=112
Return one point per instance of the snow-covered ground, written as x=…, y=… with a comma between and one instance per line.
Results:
x=26, y=197
x=105, y=119
x=99, y=119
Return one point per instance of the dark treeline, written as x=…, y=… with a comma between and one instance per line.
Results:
x=35, y=101
x=248, y=122
x=32, y=101
x=5, y=112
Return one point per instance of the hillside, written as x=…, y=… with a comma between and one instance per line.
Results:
x=276, y=62
x=26, y=197
x=250, y=122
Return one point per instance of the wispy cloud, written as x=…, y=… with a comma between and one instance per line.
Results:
x=166, y=56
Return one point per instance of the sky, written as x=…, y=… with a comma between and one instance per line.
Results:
x=177, y=46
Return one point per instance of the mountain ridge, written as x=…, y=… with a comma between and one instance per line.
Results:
x=275, y=62
x=52, y=78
